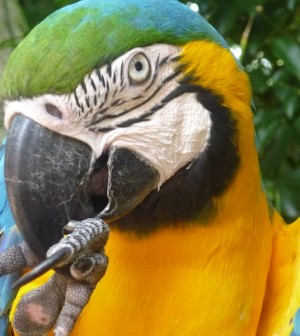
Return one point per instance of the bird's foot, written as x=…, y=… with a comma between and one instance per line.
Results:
x=58, y=303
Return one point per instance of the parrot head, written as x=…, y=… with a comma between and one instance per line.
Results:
x=131, y=111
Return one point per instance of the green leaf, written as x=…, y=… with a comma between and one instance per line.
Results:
x=258, y=81
x=288, y=50
x=289, y=187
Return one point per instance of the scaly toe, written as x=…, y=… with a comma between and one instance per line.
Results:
x=39, y=309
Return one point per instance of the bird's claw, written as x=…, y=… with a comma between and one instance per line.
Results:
x=58, y=303
x=85, y=238
x=17, y=258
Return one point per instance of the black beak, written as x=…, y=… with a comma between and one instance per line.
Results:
x=44, y=173
x=50, y=178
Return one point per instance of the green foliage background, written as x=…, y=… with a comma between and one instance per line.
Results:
x=267, y=33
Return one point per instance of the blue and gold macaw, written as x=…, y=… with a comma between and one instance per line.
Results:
x=131, y=137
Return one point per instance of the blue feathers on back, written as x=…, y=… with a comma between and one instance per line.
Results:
x=9, y=237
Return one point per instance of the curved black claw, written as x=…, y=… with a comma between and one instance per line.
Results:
x=43, y=267
x=86, y=236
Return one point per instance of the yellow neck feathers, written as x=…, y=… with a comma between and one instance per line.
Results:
x=214, y=68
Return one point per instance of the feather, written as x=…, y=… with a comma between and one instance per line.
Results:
x=296, y=329
x=9, y=237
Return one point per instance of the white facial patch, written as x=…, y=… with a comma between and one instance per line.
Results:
x=117, y=105
x=175, y=137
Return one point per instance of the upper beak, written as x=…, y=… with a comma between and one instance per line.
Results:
x=50, y=178
x=44, y=174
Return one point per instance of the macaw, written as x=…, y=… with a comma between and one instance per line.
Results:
x=131, y=137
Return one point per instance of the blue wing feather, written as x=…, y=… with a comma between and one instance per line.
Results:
x=9, y=237
x=296, y=324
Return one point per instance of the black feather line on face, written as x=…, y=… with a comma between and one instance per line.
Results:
x=76, y=99
x=122, y=70
x=82, y=108
x=93, y=84
x=108, y=69
x=151, y=83
x=115, y=77
x=187, y=196
x=101, y=130
x=164, y=61
x=117, y=102
x=87, y=101
x=101, y=79
x=84, y=87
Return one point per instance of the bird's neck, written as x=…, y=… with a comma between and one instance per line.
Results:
x=208, y=280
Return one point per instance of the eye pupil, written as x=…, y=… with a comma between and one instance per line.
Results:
x=138, y=66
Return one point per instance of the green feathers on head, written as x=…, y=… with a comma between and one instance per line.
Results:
x=70, y=43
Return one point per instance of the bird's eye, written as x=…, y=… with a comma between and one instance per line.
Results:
x=139, y=69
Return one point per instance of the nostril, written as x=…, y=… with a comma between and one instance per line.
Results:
x=53, y=110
